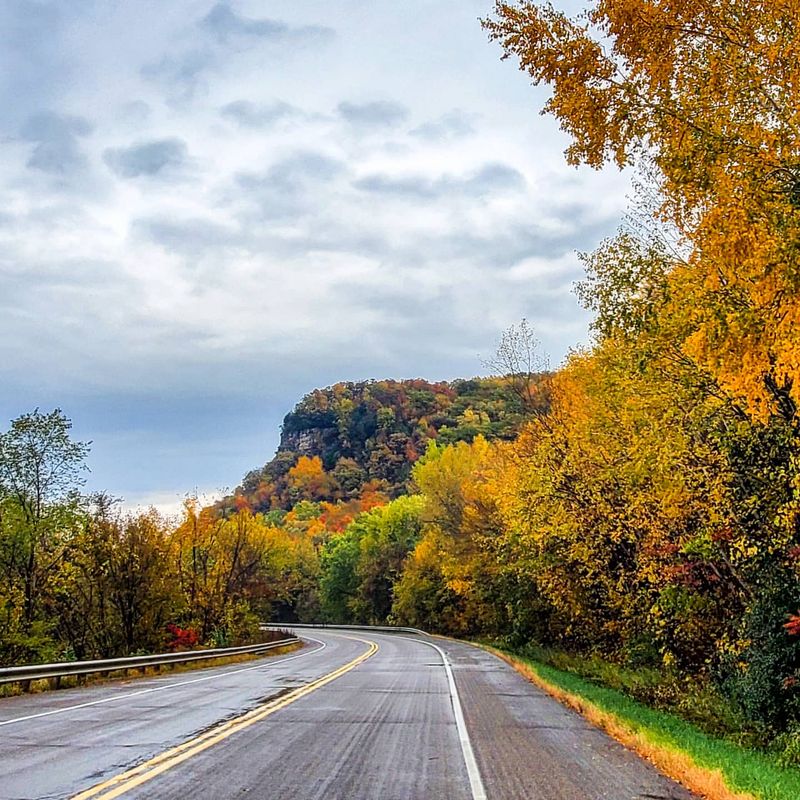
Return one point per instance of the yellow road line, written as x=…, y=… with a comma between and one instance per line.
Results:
x=125, y=781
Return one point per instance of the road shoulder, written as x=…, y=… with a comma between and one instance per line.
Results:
x=529, y=745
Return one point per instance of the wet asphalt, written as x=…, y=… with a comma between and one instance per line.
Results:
x=386, y=729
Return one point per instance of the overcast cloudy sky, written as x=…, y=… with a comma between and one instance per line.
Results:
x=208, y=209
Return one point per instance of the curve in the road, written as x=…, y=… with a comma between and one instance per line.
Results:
x=152, y=690
x=401, y=726
x=126, y=781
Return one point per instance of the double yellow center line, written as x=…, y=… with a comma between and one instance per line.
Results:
x=125, y=781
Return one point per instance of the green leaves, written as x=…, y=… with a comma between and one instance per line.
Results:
x=39, y=462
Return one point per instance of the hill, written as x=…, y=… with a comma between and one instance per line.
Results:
x=352, y=440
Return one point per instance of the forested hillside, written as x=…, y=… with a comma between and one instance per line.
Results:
x=353, y=441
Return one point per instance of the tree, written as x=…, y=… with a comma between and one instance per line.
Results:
x=705, y=96
x=361, y=566
x=422, y=597
x=114, y=595
x=339, y=580
x=40, y=472
x=308, y=480
x=519, y=363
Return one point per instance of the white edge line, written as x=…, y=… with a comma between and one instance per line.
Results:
x=474, y=774
x=165, y=686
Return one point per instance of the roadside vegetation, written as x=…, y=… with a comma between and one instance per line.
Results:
x=80, y=579
x=717, y=767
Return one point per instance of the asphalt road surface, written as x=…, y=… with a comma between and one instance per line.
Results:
x=353, y=715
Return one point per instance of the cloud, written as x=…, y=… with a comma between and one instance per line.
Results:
x=494, y=177
x=340, y=223
x=181, y=74
x=146, y=158
x=302, y=167
x=377, y=114
x=192, y=237
x=487, y=180
x=259, y=115
x=33, y=64
x=455, y=124
x=137, y=111
x=225, y=25
x=293, y=185
x=56, y=147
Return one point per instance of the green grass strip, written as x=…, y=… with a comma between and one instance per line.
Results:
x=744, y=770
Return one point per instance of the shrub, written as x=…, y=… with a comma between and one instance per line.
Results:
x=763, y=676
x=181, y=638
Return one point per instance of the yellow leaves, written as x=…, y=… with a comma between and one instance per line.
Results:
x=459, y=586
x=427, y=551
x=599, y=495
x=447, y=473
x=709, y=93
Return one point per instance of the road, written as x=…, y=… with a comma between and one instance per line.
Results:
x=352, y=715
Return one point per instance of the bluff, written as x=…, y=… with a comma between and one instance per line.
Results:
x=351, y=438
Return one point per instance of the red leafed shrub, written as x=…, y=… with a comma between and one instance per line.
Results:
x=793, y=625
x=182, y=638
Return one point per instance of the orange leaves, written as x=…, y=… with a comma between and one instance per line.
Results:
x=792, y=627
x=240, y=502
x=554, y=49
x=309, y=480
x=306, y=470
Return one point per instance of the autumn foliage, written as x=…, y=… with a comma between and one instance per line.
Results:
x=649, y=515
x=181, y=638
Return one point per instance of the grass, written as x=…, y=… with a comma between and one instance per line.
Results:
x=693, y=699
x=709, y=765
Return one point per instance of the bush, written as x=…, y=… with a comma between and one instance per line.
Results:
x=696, y=700
x=763, y=676
x=787, y=747
x=181, y=638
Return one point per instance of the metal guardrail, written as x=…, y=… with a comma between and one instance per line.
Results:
x=33, y=672
x=380, y=628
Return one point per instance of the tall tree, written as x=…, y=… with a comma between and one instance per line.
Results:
x=41, y=469
x=519, y=363
x=705, y=94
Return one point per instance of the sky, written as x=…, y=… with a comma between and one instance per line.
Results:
x=208, y=209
